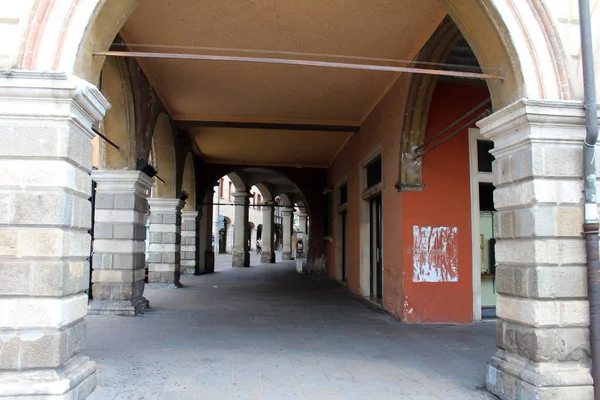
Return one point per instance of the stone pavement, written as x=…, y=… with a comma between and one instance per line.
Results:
x=267, y=333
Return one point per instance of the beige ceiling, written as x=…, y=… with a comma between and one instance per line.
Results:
x=285, y=148
x=232, y=91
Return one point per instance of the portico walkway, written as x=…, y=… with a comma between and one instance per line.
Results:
x=267, y=333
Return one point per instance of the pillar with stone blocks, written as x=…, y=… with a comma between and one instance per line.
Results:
x=164, y=268
x=303, y=226
x=542, y=331
x=119, y=242
x=287, y=216
x=302, y=222
x=205, y=254
x=189, y=229
x=241, y=256
x=45, y=215
x=268, y=213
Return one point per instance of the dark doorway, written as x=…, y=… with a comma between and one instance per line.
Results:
x=223, y=240
x=376, y=249
x=344, y=217
x=91, y=232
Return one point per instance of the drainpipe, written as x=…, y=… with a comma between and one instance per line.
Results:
x=590, y=226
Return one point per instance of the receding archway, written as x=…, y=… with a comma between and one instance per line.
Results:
x=189, y=183
x=119, y=123
x=164, y=156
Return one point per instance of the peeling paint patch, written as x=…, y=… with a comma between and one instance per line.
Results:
x=435, y=254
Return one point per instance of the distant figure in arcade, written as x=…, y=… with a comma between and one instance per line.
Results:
x=259, y=246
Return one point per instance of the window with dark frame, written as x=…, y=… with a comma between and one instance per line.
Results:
x=484, y=158
x=328, y=214
x=343, y=194
x=374, y=172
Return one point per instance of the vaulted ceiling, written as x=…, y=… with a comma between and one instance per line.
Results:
x=206, y=94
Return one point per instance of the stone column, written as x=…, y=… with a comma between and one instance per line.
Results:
x=268, y=212
x=189, y=228
x=164, y=267
x=303, y=226
x=119, y=242
x=45, y=215
x=542, y=331
x=241, y=256
x=206, y=255
x=302, y=222
x=287, y=228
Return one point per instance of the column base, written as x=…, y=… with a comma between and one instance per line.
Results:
x=301, y=265
x=240, y=260
x=513, y=377
x=75, y=380
x=160, y=286
x=188, y=268
x=124, y=307
x=318, y=266
x=209, y=262
x=286, y=256
x=267, y=257
x=164, y=278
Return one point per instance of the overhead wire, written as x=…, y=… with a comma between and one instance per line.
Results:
x=309, y=54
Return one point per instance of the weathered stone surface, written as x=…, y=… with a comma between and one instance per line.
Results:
x=287, y=222
x=241, y=260
x=241, y=256
x=205, y=257
x=45, y=161
x=164, y=261
x=119, y=259
x=542, y=332
x=268, y=232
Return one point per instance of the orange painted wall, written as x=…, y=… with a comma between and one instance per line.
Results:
x=380, y=129
x=444, y=201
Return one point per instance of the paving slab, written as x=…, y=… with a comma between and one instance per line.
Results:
x=266, y=332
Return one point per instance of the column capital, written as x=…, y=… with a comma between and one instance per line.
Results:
x=529, y=120
x=165, y=205
x=35, y=94
x=240, y=197
x=189, y=215
x=287, y=210
x=122, y=181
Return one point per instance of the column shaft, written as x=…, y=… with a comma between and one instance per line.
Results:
x=287, y=222
x=303, y=226
x=164, y=268
x=206, y=255
x=302, y=222
x=119, y=242
x=189, y=229
x=241, y=256
x=45, y=215
x=268, y=255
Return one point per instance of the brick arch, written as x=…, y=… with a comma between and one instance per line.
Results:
x=500, y=32
x=119, y=122
x=188, y=184
x=265, y=192
x=238, y=182
x=164, y=157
